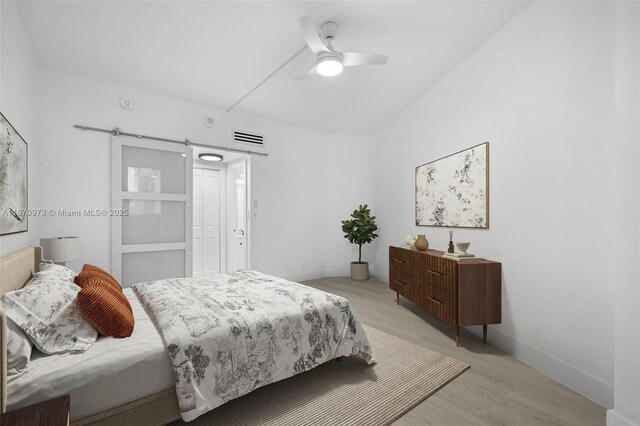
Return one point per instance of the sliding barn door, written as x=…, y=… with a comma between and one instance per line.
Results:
x=151, y=185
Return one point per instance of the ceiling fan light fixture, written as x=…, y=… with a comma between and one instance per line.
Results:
x=210, y=157
x=329, y=66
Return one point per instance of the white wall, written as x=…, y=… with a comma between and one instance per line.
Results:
x=542, y=92
x=626, y=273
x=350, y=161
x=18, y=103
x=289, y=233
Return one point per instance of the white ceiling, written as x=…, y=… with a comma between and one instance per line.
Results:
x=215, y=52
x=227, y=156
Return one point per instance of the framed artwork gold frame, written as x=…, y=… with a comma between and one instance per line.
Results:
x=453, y=191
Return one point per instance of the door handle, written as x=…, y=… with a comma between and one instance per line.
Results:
x=399, y=260
x=399, y=282
x=439, y=302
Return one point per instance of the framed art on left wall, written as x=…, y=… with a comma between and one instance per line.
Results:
x=13, y=180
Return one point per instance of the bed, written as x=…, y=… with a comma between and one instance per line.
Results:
x=111, y=373
x=134, y=380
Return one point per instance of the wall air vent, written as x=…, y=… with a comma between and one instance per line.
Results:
x=254, y=139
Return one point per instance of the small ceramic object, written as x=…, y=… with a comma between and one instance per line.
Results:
x=421, y=243
x=408, y=239
x=463, y=246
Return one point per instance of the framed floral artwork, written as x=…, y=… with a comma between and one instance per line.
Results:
x=13, y=180
x=453, y=191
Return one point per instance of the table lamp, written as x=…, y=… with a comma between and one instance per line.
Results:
x=60, y=249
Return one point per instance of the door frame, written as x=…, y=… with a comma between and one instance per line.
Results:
x=117, y=195
x=222, y=169
x=248, y=206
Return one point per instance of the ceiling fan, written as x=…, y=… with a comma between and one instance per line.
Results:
x=330, y=62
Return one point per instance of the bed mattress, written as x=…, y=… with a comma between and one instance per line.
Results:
x=111, y=373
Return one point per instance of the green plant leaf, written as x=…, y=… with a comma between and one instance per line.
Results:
x=361, y=228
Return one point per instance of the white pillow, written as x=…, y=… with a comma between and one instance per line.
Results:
x=54, y=270
x=46, y=310
x=18, y=349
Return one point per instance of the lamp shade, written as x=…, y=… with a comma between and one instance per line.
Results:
x=60, y=249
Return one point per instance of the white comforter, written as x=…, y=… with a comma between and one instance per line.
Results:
x=229, y=334
x=110, y=373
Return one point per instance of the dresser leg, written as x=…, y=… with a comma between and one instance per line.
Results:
x=484, y=334
x=397, y=298
x=458, y=336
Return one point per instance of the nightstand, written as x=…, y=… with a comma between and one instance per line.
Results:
x=54, y=412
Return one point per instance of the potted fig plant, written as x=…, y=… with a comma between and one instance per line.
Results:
x=360, y=229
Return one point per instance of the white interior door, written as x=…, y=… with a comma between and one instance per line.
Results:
x=151, y=182
x=238, y=211
x=207, y=222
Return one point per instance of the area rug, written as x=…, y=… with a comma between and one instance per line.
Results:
x=349, y=392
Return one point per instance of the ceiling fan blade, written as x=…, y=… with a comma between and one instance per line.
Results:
x=352, y=59
x=311, y=72
x=311, y=35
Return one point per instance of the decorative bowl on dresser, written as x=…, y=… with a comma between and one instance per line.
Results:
x=460, y=293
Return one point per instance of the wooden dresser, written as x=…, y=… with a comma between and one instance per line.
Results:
x=460, y=293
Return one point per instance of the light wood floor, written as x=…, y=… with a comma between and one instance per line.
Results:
x=497, y=390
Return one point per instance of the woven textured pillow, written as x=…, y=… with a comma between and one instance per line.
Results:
x=90, y=271
x=106, y=308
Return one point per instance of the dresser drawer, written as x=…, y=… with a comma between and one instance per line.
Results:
x=458, y=293
x=441, y=304
x=407, y=261
x=442, y=273
x=403, y=283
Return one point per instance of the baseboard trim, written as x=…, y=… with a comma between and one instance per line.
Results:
x=341, y=272
x=616, y=419
x=307, y=276
x=579, y=380
x=569, y=375
x=327, y=273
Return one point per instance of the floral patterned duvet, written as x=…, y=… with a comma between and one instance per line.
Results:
x=229, y=334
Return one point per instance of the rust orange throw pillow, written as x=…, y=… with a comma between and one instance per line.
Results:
x=106, y=308
x=91, y=271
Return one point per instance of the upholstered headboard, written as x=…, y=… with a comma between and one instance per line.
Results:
x=16, y=269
